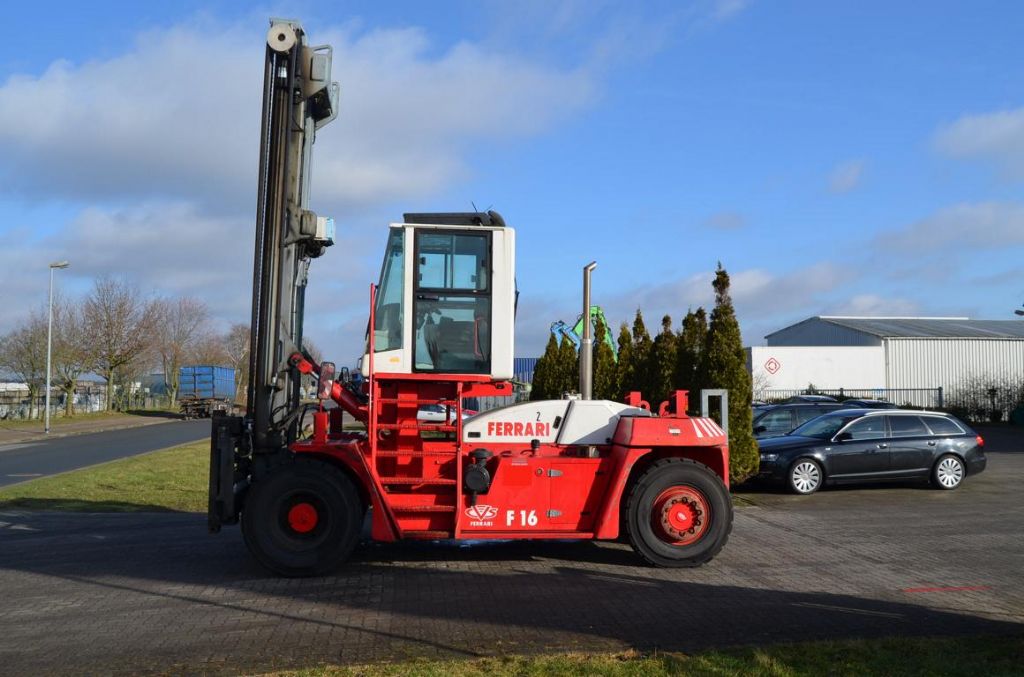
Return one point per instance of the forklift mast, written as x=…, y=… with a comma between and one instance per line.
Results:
x=298, y=99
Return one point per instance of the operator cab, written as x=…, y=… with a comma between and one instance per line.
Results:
x=446, y=299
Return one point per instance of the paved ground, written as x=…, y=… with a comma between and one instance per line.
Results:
x=28, y=460
x=139, y=593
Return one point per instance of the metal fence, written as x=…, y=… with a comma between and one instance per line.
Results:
x=19, y=407
x=919, y=398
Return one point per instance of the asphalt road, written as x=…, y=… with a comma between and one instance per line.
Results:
x=28, y=460
x=153, y=593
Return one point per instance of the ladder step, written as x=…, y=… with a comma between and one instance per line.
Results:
x=432, y=452
x=396, y=400
x=417, y=480
x=423, y=508
x=427, y=535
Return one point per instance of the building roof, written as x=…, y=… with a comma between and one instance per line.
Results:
x=928, y=327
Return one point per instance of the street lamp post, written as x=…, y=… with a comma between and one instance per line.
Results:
x=49, y=342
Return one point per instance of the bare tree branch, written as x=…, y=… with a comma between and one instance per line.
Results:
x=182, y=323
x=122, y=324
x=23, y=352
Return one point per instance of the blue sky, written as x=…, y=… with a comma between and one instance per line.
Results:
x=838, y=158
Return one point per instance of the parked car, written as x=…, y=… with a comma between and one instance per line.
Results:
x=778, y=419
x=852, y=445
x=868, y=404
x=439, y=413
x=810, y=398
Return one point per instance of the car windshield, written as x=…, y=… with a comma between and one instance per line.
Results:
x=823, y=427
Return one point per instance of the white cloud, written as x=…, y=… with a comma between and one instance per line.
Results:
x=869, y=305
x=997, y=137
x=964, y=226
x=726, y=220
x=846, y=176
x=723, y=10
x=160, y=146
x=177, y=116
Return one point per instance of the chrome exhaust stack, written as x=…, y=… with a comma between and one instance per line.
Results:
x=587, y=340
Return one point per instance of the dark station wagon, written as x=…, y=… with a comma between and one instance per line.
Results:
x=854, y=445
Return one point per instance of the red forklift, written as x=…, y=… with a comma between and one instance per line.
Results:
x=441, y=331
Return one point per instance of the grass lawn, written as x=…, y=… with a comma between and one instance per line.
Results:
x=932, y=656
x=170, y=480
x=59, y=420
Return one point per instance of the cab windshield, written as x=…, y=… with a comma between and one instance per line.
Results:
x=823, y=427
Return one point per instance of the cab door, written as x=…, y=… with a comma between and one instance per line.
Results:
x=452, y=301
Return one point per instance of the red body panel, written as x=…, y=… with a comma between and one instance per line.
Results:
x=411, y=472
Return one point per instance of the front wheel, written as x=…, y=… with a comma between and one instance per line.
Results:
x=303, y=519
x=805, y=476
x=679, y=514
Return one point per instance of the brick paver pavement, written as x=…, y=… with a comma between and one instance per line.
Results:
x=152, y=592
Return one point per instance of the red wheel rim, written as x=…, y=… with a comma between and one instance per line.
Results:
x=302, y=518
x=680, y=515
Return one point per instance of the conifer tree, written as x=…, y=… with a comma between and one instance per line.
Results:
x=606, y=382
x=689, y=349
x=543, y=371
x=625, y=367
x=661, y=365
x=725, y=367
x=568, y=379
x=641, y=377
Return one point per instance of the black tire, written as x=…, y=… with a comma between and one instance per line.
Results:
x=651, y=541
x=949, y=472
x=280, y=541
x=805, y=476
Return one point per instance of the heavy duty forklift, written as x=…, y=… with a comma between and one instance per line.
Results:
x=440, y=331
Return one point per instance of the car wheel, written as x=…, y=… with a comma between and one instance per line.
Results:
x=948, y=472
x=679, y=514
x=805, y=476
x=303, y=519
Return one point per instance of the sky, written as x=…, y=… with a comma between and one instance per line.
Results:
x=840, y=158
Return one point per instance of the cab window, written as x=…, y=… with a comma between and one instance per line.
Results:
x=390, y=305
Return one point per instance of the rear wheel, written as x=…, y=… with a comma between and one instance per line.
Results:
x=679, y=514
x=303, y=519
x=948, y=472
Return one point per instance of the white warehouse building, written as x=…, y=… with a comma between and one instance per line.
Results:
x=886, y=354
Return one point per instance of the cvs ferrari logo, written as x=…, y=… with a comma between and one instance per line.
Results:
x=481, y=513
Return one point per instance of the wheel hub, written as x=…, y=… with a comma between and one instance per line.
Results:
x=680, y=515
x=303, y=518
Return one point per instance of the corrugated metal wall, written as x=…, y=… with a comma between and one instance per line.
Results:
x=815, y=332
x=930, y=363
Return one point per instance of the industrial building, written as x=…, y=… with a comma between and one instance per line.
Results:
x=886, y=354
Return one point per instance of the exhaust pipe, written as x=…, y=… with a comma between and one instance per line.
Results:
x=587, y=340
